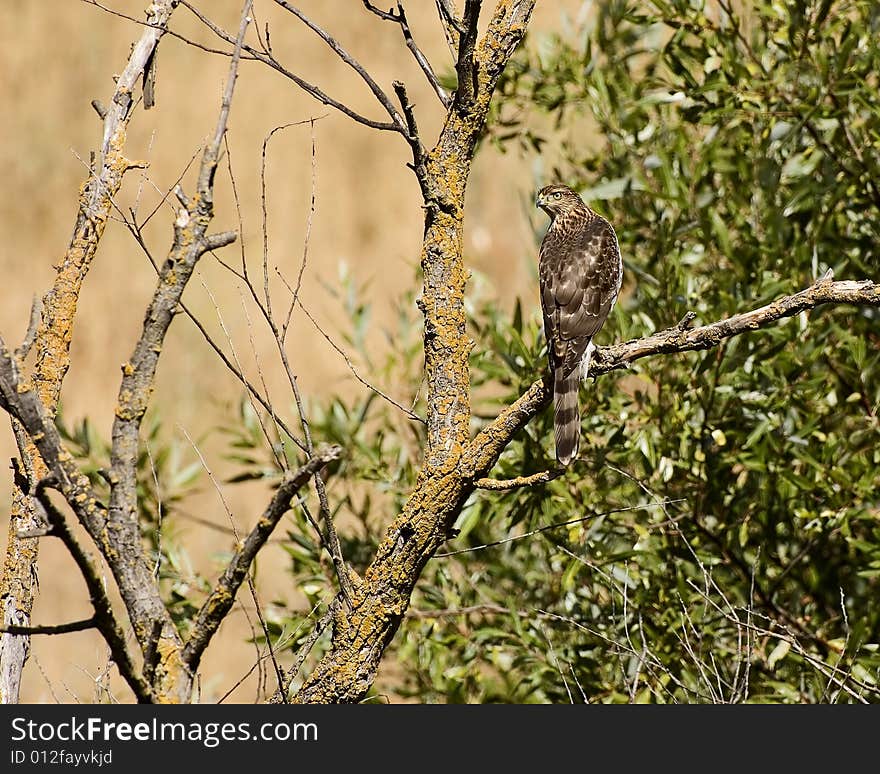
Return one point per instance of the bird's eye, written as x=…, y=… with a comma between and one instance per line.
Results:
x=557, y=195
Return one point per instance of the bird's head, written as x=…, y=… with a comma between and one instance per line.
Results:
x=558, y=200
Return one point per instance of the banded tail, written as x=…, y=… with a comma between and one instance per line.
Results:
x=566, y=410
x=566, y=416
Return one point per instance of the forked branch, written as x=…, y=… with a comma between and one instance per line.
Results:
x=268, y=58
x=421, y=59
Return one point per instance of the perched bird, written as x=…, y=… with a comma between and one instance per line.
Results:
x=580, y=271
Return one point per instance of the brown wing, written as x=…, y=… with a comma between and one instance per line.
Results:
x=580, y=274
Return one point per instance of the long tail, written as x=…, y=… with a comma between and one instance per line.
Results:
x=566, y=416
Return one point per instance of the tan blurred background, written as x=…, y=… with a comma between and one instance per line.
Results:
x=57, y=56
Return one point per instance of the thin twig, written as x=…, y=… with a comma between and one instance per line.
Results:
x=219, y=602
x=307, y=239
x=531, y=533
x=66, y=628
x=304, y=650
x=374, y=87
x=400, y=19
x=314, y=91
x=409, y=413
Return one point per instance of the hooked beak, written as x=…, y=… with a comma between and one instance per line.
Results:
x=540, y=201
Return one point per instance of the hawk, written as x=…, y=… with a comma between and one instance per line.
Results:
x=580, y=271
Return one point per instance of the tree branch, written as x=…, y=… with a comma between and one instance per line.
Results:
x=466, y=65
x=104, y=618
x=378, y=93
x=499, y=485
x=66, y=628
x=484, y=450
x=268, y=59
x=53, y=334
x=218, y=604
x=400, y=19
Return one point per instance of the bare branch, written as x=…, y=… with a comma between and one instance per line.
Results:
x=412, y=129
x=105, y=618
x=374, y=87
x=486, y=447
x=268, y=59
x=372, y=388
x=386, y=15
x=218, y=604
x=100, y=109
x=67, y=628
x=400, y=19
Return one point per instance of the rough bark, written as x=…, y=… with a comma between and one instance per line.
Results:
x=361, y=634
x=53, y=337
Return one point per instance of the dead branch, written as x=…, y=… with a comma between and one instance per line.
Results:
x=422, y=61
x=53, y=334
x=218, y=604
x=65, y=628
x=383, y=99
x=269, y=59
x=387, y=398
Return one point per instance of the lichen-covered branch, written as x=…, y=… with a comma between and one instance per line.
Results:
x=361, y=633
x=171, y=678
x=104, y=618
x=447, y=167
x=218, y=604
x=504, y=485
x=487, y=446
x=53, y=335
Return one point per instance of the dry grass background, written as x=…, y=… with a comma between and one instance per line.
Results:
x=57, y=56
